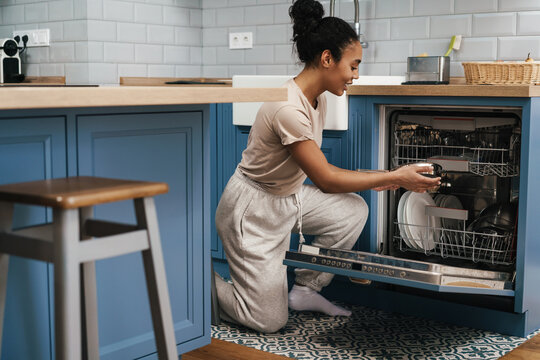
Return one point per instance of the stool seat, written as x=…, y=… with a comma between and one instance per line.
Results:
x=79, y=191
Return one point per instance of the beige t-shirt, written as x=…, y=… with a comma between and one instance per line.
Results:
x=266, y=160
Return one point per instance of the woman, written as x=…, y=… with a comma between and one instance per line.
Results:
x=266, y=199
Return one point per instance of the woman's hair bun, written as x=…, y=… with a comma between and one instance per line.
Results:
x=313, y=33
x=306, y=15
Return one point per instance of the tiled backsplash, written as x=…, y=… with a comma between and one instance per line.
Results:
x=394, y=29
x=97, y=41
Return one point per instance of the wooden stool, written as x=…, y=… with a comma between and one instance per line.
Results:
x=60, y=243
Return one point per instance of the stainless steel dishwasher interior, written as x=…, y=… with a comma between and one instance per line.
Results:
x=480, y=149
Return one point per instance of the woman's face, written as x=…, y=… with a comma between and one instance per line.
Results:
x=343, y=72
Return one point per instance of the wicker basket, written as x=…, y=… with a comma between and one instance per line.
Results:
x=510, y=72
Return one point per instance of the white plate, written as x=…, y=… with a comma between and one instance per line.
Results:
x=438, y=199
x=451, y=202
x=415, y=213
x=401, y=220
x=407, y=228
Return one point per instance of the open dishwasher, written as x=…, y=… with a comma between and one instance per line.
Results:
x=461, y=238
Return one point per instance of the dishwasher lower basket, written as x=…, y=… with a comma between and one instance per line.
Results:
x=457, y=242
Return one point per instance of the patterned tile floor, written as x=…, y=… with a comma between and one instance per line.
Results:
x=371, y=334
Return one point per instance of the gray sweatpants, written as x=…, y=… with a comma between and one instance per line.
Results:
x=255, y=226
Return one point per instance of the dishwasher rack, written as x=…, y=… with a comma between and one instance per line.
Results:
x=457, y=241
x=483, y=152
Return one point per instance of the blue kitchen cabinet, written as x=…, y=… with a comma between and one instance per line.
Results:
x=160, y=146
x=224, y=164
x=32, y=148
x=162, y=143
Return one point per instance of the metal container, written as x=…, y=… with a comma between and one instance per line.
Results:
x=428, y=70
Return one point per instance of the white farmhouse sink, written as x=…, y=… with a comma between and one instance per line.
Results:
x=337, y=117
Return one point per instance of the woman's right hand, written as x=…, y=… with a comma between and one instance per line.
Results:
x=409, y=178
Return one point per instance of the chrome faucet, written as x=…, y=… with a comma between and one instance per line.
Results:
x=356, y=20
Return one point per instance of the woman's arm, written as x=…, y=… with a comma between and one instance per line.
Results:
x=332, y=179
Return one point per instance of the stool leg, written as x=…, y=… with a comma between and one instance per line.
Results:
x=67, y=305
x=156, y=280
x=89, y=315
x=6, y=218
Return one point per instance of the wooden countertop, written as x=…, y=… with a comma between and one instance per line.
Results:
x=68, y=97
x=457, y=87
x=452, y=89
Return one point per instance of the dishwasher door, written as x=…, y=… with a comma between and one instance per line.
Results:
x=399, y=271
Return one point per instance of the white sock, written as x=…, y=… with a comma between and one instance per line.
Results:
x=303, y=298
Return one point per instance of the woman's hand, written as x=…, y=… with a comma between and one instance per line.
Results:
x=387, y=187
x=409, y=178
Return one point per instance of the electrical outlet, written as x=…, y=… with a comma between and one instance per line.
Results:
x=37, y=37
x=241, y=40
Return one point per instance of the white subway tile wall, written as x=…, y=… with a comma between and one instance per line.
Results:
x=96, y=41
x=190, y=38
x=380, y=28
x=468, y=6
x=407, y=28
x=433, y=7
x=394, y=30
x=393, y=51
x=502, y=24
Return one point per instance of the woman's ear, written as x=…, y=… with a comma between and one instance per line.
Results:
x=326, y=59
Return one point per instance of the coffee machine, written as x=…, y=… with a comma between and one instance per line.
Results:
x=10, y=59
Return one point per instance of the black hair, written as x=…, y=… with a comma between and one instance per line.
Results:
x=313, y=33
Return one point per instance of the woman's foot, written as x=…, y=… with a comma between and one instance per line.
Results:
x=303, y=298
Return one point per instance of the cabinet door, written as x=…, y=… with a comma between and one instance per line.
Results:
x=164, y=147
x=30, y=149
x=223, y=163
x=231, y=140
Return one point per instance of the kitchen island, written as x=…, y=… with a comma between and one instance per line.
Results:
x=364, y=145
x=146, y=133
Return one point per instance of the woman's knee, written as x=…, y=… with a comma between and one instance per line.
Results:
x=271, y=322
x=358, y=207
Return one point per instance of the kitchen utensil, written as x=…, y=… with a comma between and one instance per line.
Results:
x=501, y=215
x=455, y=44
x=428, y=70
x=436, y=172
x=490, y=224
x=10, y=60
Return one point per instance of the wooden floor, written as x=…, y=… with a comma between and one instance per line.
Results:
x=529, y=350
x=222, y=350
